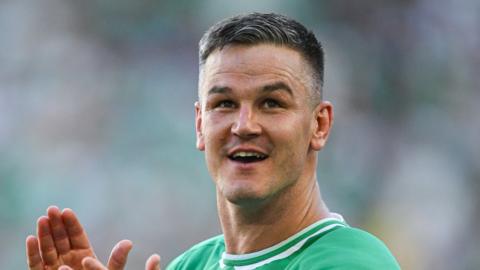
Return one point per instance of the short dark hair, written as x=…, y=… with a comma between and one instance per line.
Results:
x=266, y=28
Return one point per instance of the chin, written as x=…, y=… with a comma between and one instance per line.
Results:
x=246, y=199
x=244, y=195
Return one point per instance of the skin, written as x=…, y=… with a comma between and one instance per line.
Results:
x=62, y=243
x=251, y=98
x=259, y=98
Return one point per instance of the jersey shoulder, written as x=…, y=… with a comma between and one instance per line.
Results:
x=347, y=248
x=201, y=256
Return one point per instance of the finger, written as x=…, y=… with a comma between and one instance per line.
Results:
x=78, y=237
x=59, y=233
x=153, y=262
x=119, y=255
x=90, y=263
x=47, y=246
x=34, y=259
x=65, y=267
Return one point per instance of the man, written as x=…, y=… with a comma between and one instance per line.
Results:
x=260, y=119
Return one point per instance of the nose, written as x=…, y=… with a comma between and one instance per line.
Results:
x=246, y=125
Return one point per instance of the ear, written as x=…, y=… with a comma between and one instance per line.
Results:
x=198, y=127
x=323, y=120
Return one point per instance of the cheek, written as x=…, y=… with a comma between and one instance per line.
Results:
x=215, y=133
x=293, y=138
x=293, y=131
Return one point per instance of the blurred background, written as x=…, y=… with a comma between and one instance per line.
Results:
x=96, y=114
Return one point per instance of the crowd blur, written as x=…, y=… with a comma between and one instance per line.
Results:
x=96, y=114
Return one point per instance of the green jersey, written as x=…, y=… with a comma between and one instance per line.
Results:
x=327, y=244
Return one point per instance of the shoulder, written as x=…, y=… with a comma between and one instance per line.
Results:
x=200, y=255
x=348, y=248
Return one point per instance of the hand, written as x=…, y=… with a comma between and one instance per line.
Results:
x=153, y=262
x=60, y=240
x=61, y=243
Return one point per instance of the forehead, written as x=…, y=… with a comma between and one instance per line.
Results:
x=244, y=66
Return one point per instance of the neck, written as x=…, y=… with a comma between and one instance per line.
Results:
x=253, y=227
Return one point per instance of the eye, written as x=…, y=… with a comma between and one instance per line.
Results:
x=271, y=103
x=225, y=104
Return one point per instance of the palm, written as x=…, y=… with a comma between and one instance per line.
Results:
x=60, y=240
x=73, y=259
x=62, y=243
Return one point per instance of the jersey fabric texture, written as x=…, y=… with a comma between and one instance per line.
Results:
x=327, y=244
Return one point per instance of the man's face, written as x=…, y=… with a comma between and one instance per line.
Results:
x=255, y=120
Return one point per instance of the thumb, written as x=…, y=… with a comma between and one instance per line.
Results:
x=153, y=262
x=118, y=257
x=64, y=267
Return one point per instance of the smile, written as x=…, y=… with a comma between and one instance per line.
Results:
x=247, y=156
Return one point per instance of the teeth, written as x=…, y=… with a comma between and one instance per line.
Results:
x=248, y=154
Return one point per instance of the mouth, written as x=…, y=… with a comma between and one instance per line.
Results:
x=247, y=156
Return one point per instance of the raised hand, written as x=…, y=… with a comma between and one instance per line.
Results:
x=60, y=240
x=61, y=243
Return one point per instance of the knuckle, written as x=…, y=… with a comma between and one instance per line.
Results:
x=59, y=233
x=117, y=261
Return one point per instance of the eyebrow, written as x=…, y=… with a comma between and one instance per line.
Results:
x=277, y=86
x=267, y=88
x=219, y=90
